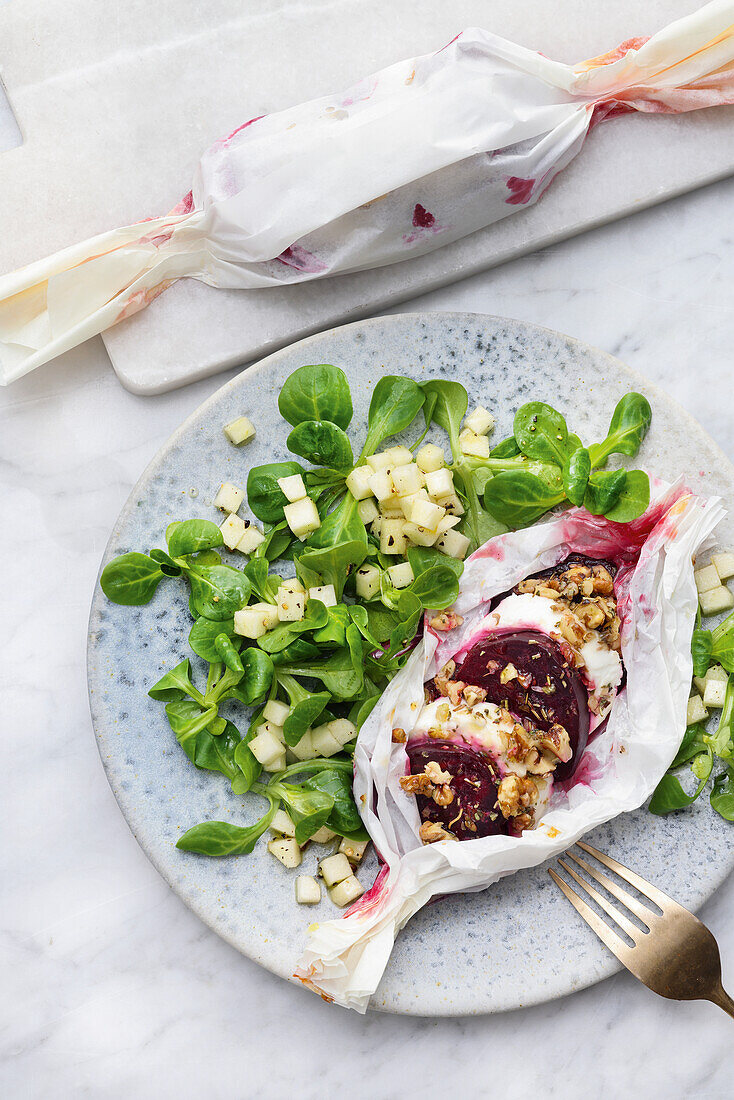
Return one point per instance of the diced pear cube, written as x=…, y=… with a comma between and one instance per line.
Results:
x=323, y=836
x=376, y=526
x=429, y=458
x=323, y=741
x=716, y=672
x=723, y=563
x=308, y=891
x=353, y=849
x=276, y=712
x=324, y=592
x=453, y=505
x=399, y=456
x=420, y=536
x=232, y=530
x=368, y=582
x=292, y=487
x=447, y=523
x=407, y=502
x=379, y=461
x=251, y=539
x=473, y=444
x=282, y=824
x=255, y=620
x=696, y=711
x=304, y=749
x=275, y=729
x=367, y=510
x=382, y=486
x=453, y=544
x=715, y=693
x=425, y=513
x=347, y=891
x=291, y=605
x=239, y=431
x=392, y=512
x=715, y=600
x=279, y=764
x=707, y=578
x=343, y=730
x=266, y=748
x=440, y=483
x=407, y=479
x=228, y=497
x=699, y=682
x=292, y=585
x=287, y=851
x=334, y=869
x=358, y=482
x=302, y=518
x=401, y=575
x=481, y=422
x=392, y=537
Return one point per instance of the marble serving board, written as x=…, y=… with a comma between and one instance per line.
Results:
x=117, y=102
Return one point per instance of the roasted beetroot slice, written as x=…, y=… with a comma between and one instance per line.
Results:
x=556, y=692
x=473, y=812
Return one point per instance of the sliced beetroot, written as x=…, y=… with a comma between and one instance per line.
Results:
x=473, y=811
x=547, y=690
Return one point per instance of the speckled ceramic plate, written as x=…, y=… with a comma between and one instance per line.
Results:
x=517, y=943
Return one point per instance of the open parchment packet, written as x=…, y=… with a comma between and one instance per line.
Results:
x=416, y=156
x=656, y=601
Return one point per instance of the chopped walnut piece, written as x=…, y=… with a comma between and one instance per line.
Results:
x=528, y=585
x=436, y=774
x=474, y=695
x=557, y=741
x=443, y=796
x=443, y=712
x=446, y=620
x=547, y=591
x=571, y=629
x=590, y=614
x=454, y=690
x=430, y=832
x=398, y=736
x=516, y=794
x=540, y=763
x=603, y=583
x=509, y=672
x=416, y=784
x=524, y=821
x=443, y=676
x=518, y=743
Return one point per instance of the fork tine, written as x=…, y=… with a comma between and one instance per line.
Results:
x=611, y=910
x=663, y=901
x=606, y=934
x=645, y=915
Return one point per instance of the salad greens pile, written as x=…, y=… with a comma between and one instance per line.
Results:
x=333, y=664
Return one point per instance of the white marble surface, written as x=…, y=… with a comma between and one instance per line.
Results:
x=111, y=987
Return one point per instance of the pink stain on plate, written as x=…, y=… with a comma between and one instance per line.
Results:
x=301, y=260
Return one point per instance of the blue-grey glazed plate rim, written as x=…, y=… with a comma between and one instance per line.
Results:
x=516, y=944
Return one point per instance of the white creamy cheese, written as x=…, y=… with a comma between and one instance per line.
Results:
x=481, y=727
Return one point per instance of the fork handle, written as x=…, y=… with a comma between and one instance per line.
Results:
x=721, y=998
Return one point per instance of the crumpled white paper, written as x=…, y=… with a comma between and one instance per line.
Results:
x=409, y=159
x=619, y=769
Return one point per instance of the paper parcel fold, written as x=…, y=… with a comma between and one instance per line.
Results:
x=656, y=600
x=411, y=158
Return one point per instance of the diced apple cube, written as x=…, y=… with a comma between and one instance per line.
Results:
x=382, y=486
x=251, y=539
x=425, y=513
x=392, y=537
x=481, y=422
x=419, y=536
x=723, y=563
x=292, y=585
x=308, y=891
x=325, y=593
x=407, y=502
x=715, y=600
x=453, y=544
x=401, y=575
x=266, y=747
x=343, y=730
x=323, y=836
x=353, y=849
x=291, y=605
x=696, y=711
x=239, y=431
x=473, y=444
x=232, y=530
x=292, y=487
x=282, y=824
x=358, y=482
x=379, y=461
x=334, y=869
x=228, y=497
x=399, y=455
x=368, y=582
x=287, y=851
x=407, y=479
x=376, y=526
x=715, y=693
x=392, y=512
x=347, y=891
x=275, y=729
x=323, y=741
x=699, y=682
x=304, y=749
x=276, y=712
x=707, y=578
x=429, y=458
x=453, y=505
x=255, y=620
x=440, y=483
x=447, y=523
x=367, y=510
x=716, y=672
x=302, y=518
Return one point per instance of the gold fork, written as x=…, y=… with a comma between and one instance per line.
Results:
x=675, y=955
